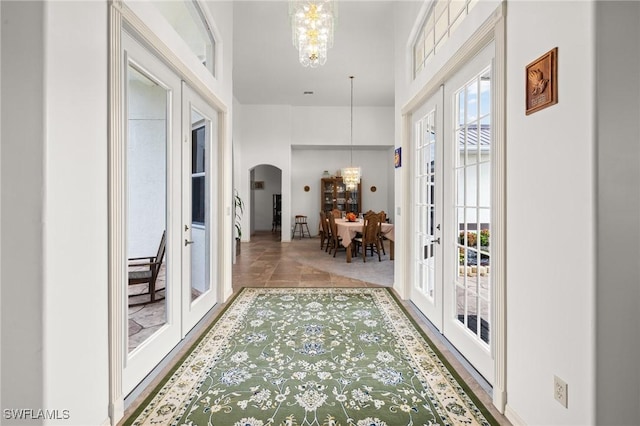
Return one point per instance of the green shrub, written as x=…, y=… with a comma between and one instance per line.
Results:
x=484, y=238
x=472, y=238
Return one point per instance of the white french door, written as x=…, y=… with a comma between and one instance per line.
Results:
x=152, y=104
x=199, y=207
x=467, y=269
x=452, y=282
x=426, y=291
x=171, y=165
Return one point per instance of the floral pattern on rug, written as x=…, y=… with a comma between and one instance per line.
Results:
x=312, y=357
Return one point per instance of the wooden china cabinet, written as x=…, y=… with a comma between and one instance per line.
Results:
x=334, y=195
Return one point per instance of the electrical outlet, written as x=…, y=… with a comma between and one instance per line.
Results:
x=560, y=391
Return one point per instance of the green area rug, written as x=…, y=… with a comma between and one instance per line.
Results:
x=310, y=356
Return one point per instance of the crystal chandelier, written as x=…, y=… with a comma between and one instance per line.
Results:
x=351, y=174
x=312, y=25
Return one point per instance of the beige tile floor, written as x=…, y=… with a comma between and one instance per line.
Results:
x=267, y=262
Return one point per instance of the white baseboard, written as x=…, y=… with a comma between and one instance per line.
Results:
x=116, y=413
x=513, y=417
x=499, y=399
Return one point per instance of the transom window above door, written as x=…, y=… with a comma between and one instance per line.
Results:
x=440, y=22
x=190, y=22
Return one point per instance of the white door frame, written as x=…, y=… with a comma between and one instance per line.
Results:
x=121, y=17
x=492, y=29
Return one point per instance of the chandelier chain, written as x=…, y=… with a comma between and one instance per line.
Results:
x=351, y=134
x=351, y=174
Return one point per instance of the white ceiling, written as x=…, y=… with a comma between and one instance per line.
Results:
x=265, y=62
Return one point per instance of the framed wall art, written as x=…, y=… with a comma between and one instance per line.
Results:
x=541, y=77
x=397, y=157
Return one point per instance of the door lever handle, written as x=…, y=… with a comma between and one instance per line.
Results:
x=187, y=242
x=437, y=240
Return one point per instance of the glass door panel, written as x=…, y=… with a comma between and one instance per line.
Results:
x=473, y=165
x=427, y=211
x=467, y=199
x=199, y=208
x=147, y=127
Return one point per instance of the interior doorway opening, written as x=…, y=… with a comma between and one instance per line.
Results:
x=266, y=199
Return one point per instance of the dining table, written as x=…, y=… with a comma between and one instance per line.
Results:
x=347, y=230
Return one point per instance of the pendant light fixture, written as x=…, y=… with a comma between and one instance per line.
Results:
x=351, y=174
x=312, y=23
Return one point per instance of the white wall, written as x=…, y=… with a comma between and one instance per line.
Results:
x=405, y=17
x=1, y=405
x=261, y=136
x=550, y=208
x=75, y=279
x=308, y=164
x=54, y=246
x=618, y=214
x=331, y=125
x=266, y=134
x=22, y=215
x=54, y=230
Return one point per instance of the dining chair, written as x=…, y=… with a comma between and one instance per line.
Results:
x=336, y=213
x=370, y=236
x=336, y=241
x=325, y=233
x=383, y=219
x=145, y=270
